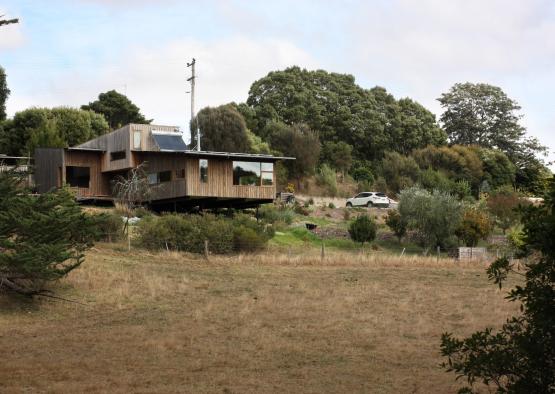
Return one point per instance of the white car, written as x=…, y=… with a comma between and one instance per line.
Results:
x=369, y=199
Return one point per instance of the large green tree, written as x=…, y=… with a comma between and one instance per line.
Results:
x=482, y=114
x=4, y=93
x=117, y=109
x=371, y=121
x=56, y=127
x=519, y=357
x=297, y=141
x=222, y=129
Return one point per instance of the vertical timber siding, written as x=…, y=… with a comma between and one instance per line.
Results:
x=48, y=162
x=98, y=184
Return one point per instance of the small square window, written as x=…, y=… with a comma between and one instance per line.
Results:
x=136, y=140
x=180, y=173
x=164, y=176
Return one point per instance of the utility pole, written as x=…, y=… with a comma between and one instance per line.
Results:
x=192, y=80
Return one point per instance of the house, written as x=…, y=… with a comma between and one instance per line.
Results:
x=181, y=178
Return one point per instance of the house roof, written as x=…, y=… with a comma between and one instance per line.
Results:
x=226, y=155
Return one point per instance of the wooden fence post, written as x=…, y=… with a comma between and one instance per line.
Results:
x=403, y=252
x=323, y=253
x=206, y=249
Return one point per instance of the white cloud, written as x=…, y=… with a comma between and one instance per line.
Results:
x=155, y=78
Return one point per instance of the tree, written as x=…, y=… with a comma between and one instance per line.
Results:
x=434, y=215
x=498, y=170
x=474, y=226
x=338, y=155
x=8, y=21
x=56, y=127
x=222, y=129
x=456, y=162
x=482, y=114
x=520, y=357
x=371, y=121
x=362, y=229
x=117, y=109
x=399, y=170
x=396, y=223
x=131, y=192
x=503, y=204
x=4, y=93
x=42, y=238
x=300, y=142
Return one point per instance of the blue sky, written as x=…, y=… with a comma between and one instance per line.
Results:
x=66, y=52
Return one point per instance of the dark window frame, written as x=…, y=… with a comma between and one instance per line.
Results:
x=81, y=180
x=203, y=170
x=118, y=155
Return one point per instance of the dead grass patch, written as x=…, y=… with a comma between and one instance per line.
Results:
x=172, y=322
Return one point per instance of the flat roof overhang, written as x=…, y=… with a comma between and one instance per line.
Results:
x=225, y=155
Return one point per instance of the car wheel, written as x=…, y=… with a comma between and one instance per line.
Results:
x=349, y=205
x=369, y=205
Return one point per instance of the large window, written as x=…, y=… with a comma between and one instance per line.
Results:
x=253, y=173
x=267, y=170
x=78, y=176
x=203, y=169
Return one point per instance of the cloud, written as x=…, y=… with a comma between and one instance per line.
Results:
x=155, y=77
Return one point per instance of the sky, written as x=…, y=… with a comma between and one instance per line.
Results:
x=67, y=52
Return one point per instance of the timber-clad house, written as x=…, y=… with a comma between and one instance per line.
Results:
x=181, y=178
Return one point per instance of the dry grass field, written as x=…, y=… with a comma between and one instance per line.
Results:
x=170, y=323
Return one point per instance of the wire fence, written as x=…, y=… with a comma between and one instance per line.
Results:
x=322, y=249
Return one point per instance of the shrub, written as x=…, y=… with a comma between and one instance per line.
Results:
x=310, y=201
x=108, y=227
x=327, y=177
x=434, y=215
x=272, y=214
x=502, y=204
x=474, y=226
x=189, y=232
x=396, y=224
x=362, y=229
x=301, y=210
x=42, y=238
x=346, y=214
x=331, y=205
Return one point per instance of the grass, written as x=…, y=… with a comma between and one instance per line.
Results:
x=266, y=323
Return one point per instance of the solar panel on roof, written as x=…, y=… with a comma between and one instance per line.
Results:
x=170, y=142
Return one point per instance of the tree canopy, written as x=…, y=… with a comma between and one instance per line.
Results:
x=56, y=127
x=371, y=121
x=222, y=129
x=483, y=115
x=117, y=109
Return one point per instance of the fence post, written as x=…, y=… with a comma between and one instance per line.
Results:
x=438, y=252
x=289, y=252
x=323, y=253
x=403, y=252
x=206, y=249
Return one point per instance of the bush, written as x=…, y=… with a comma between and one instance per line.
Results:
x=189, y=232
x=502, y=204
x=108, y=227
x=272, y=214
x=434, y=215
x=396, y=224
x=475, y=225
x=331, y=205
x=301, y=210
x=362, y=229
x=327, y=177
x=310, y=201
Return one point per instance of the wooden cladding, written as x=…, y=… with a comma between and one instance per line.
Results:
x=219, y=178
